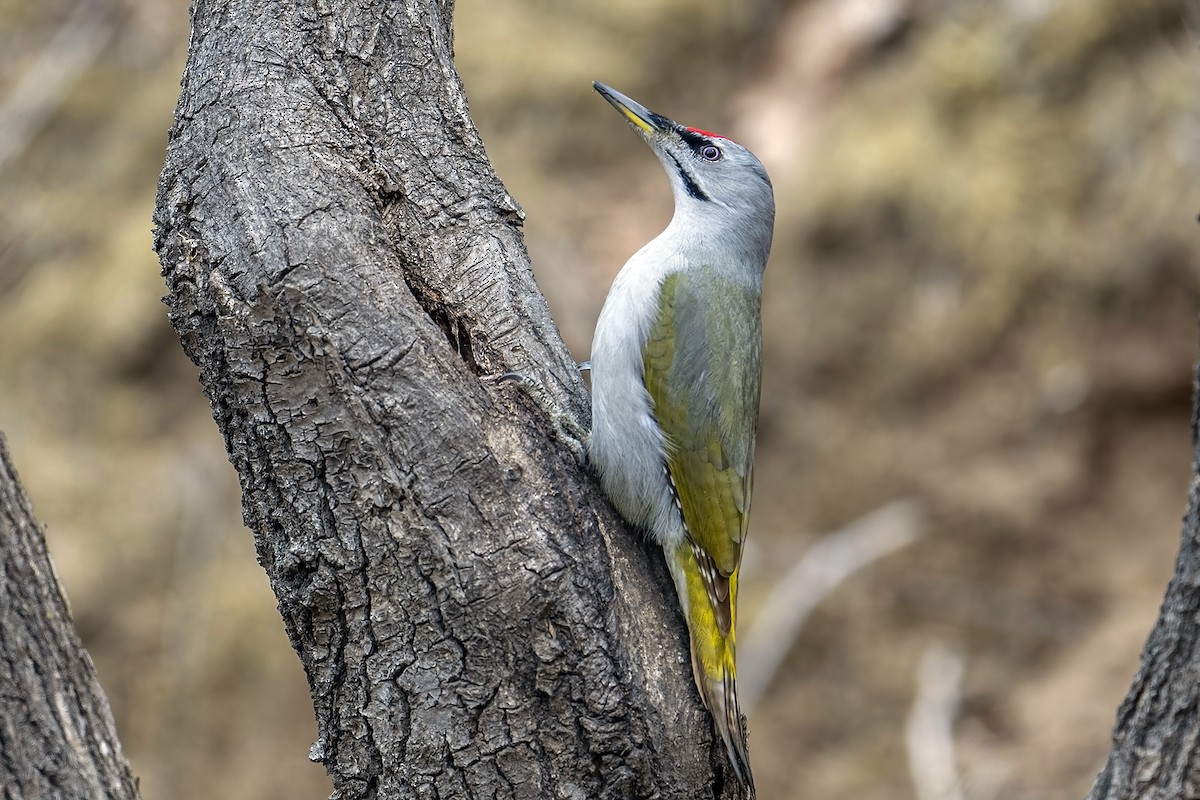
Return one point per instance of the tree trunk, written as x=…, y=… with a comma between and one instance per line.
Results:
x=1156, y=741
x=346, y=269
x=57, y=737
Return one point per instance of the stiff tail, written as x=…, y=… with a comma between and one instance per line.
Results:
x=711, y=618
x=720, y=696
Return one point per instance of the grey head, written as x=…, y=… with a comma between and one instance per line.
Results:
x=720, y=187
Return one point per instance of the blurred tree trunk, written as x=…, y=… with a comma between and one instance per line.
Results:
x=346, y=269
x=57, y=737
x=1156, y=741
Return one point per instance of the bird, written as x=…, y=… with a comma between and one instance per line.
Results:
x=676, y=375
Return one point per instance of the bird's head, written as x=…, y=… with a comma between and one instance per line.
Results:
x=708, y=173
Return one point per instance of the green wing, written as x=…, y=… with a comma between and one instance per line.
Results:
x=702, y=370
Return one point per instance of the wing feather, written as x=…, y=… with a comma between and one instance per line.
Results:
x=702, y=371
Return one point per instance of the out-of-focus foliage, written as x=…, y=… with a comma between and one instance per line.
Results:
x=983, y=297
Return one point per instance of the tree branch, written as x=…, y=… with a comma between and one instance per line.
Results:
x=344, y=266
x=1155, y=740
x=57, y=737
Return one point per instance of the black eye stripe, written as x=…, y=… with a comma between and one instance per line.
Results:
x=693, y=139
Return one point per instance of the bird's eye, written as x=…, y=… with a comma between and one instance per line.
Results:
x=710, y=152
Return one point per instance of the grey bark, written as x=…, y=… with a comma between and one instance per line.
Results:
x=346, y=270
x=1155, y=751
x=57, y=738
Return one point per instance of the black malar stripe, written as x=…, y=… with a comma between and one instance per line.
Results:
x=689, y=183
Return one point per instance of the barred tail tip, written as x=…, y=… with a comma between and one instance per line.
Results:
x=721, y=698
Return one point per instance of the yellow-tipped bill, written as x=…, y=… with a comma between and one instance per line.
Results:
x=641, y=117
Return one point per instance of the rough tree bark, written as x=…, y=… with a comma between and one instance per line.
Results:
x=1156, y=741
x=57, y=737
x=346, y=269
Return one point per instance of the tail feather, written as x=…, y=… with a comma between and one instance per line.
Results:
x=720, y=697
x=714, y=665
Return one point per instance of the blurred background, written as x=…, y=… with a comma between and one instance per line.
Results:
x=982, y=302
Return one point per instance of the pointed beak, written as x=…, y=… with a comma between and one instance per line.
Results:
x=642, y=118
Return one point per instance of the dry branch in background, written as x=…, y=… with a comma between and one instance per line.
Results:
x=45, y=84
x=344, y=267
x=825, y=566
x=929, y=733
x=57, y=737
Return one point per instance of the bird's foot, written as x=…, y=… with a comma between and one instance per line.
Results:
x=566, y=427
